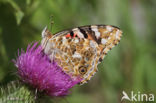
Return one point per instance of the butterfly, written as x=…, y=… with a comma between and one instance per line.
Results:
x=79, y=50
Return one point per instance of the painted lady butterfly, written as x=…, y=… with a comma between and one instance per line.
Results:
x=78, y=51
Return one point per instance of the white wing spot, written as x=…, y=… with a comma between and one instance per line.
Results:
x=76, y=55
x=80, y=34
x=76, y=31
x=117, y=34
x=109, y=28
x=92, y=44
x=76, y=41
x=103, y=41
x=64, y=40
x=95, y=29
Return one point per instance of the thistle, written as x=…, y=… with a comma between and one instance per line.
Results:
x=35, y=69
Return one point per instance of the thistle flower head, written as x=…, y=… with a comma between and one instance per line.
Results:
x=36, y=69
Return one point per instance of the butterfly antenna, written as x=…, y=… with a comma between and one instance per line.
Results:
x=51, y=22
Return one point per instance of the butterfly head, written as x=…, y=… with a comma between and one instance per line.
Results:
x=46, y=35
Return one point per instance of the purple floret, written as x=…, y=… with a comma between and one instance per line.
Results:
x=35, y=69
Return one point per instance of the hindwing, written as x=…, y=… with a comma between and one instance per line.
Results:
x=78, y=51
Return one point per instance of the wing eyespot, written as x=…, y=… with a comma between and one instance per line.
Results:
x=82, y=70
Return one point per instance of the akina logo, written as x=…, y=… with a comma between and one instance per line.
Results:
x=137, y=96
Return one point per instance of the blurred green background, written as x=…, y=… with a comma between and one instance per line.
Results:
x=130, y=66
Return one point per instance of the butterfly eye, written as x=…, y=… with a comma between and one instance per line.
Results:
x=82, y=70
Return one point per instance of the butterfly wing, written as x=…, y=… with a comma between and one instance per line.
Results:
x=78, y=51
